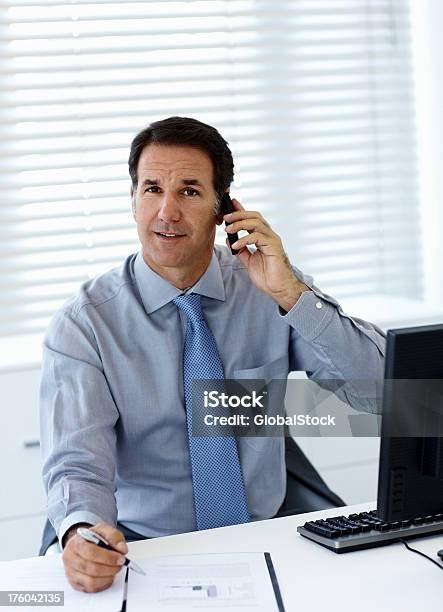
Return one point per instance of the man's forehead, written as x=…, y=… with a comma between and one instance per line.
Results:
x=175, y=159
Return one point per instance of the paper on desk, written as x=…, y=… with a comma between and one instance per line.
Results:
x=47, y=574
x=233, y=582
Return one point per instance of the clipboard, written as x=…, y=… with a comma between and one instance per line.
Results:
x=187, y=582
x=274, y=581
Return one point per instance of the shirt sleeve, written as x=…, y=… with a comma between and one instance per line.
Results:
x=77, y=427
x=328, y=344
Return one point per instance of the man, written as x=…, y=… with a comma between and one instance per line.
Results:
x=119, y=359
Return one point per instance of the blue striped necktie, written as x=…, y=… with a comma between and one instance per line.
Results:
x=219, y=490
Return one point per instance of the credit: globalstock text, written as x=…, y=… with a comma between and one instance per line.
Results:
x=264, y=419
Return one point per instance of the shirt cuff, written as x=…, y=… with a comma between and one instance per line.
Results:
x=310, y=315
x=77, y=517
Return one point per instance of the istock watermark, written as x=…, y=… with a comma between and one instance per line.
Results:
x=249, y=408
x=318, y=408
x=214, y=399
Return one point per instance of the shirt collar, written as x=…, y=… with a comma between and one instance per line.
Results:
x=156, y=291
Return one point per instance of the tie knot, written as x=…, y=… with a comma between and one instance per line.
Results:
x=191, y=305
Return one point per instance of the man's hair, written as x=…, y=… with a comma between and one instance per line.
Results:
x=190, y=132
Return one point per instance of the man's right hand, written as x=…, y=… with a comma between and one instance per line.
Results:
x=88, y=567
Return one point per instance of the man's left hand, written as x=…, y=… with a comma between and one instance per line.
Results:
x=268, y=267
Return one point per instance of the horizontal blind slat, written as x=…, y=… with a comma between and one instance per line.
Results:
x=319, y=101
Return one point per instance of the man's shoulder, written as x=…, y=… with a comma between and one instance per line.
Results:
x=102, y=288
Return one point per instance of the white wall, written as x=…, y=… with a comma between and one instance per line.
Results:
x=22, y=507
x=427, y=20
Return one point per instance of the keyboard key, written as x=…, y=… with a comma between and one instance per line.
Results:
x=322, y=529
x=385, y=527
x=428, y=519
x=356, y=528
x=344, y=531
x=332, y=533
x=311, y=526
x=370, y=518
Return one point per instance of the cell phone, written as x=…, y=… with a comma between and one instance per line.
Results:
x=226, y=208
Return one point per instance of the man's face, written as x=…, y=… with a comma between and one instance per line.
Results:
x=174, y=208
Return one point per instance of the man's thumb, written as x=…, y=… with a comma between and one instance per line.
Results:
x=113, y=536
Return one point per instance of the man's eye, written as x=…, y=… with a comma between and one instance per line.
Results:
x=152, y=189
x=190, y=192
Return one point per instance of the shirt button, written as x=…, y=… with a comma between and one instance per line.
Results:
x=319, y=305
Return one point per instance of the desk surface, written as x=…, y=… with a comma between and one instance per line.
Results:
x=313, y=578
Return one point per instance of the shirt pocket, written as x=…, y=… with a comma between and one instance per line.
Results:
x=276, y=370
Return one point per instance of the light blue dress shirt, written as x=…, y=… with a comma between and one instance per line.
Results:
x=113, y=423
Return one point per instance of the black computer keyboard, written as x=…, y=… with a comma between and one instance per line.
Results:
x=365, y=530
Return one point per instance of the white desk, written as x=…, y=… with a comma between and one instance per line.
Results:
x=312, y=578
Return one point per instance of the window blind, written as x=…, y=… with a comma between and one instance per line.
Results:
x=314, y=97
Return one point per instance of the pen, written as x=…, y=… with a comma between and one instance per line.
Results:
x=95, y=538
x=125, y=592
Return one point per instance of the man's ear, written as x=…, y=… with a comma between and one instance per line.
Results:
x=219, y=216
x=132, y=195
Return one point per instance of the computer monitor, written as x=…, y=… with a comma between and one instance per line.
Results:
x=410, y=482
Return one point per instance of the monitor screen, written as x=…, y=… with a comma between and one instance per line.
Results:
x=410, y=480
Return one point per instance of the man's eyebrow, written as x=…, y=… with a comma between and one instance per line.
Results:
x=192, y=181
x=186, y=181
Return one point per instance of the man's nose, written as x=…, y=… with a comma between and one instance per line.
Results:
x=169, y=208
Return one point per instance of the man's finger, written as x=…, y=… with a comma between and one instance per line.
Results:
x=249, y=225
x=237, y=204
x=88, y=584
x=92, y=568
x=88, y=551
x=113, y=536
x=244, y=255
x=243, y=214
x=91, y=552
x=76, y=584
x=256, y=238
x=240, y=215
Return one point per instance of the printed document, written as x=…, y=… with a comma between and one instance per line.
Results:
x=219, y=581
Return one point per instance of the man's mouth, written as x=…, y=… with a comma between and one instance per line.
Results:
x=169, y=236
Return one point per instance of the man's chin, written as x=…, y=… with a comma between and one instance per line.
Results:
x=184, y=255
x=161, y=258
